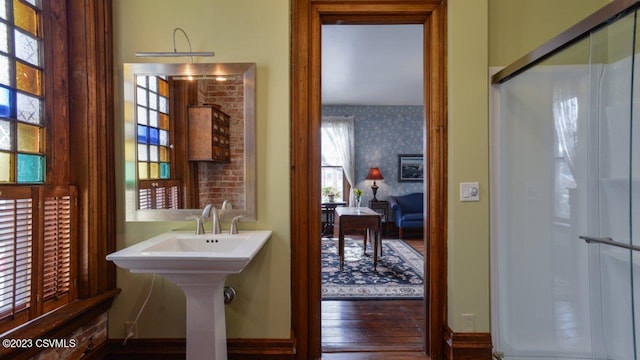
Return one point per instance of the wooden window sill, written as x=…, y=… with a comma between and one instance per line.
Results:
x=57, y=324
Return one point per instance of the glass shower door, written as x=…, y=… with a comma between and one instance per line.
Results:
x=610, y=207
x=635, y=192
x=566, y=163
x=542, y=300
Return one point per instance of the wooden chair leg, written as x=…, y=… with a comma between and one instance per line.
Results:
x=400, y=232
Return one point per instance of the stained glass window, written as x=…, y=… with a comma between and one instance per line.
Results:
x=38, y=228
x=152, y=99
x=22, y=124
x=5, y=167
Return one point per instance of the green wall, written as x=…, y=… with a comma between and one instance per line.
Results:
x=238, y=31
x=518, y=26
x=468, y=227
x=484, y=33
x=480, y=33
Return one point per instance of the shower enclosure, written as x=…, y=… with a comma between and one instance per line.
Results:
x=565, y=161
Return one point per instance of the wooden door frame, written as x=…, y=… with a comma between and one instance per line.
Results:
x=307, y=18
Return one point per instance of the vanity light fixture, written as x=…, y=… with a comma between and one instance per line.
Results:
x=232, y=77
x=175, y=53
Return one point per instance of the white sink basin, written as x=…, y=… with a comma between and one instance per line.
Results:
x=173, y=252
x=208, y=245
x=199, y=264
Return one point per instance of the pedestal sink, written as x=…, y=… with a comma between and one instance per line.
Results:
x=198, y=264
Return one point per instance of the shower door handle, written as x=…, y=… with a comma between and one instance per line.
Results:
x=609, y=241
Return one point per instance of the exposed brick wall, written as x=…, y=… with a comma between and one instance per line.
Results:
x=219, y=182
x=86, y=338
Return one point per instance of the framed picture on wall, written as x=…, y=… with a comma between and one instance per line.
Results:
x=410, y=167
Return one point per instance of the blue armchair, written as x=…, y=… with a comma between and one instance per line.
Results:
x=408, y=211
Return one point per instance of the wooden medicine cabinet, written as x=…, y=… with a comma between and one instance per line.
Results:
x=208, y=134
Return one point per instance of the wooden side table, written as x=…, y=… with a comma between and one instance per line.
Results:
x=382, y=207
x=350, y=219
x=329, y=214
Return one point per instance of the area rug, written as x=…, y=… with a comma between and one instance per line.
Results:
x=399, y=274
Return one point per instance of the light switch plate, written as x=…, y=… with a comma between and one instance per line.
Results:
x=469, y=191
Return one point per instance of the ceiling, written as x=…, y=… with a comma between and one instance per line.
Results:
x=372, y=65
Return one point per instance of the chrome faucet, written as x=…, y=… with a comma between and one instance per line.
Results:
x=217, y=214
x=200, y=219
x=216, y=222
x=234, y=225
x=199, y=226
x=226, y=205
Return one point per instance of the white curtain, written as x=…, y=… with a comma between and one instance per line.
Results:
x=338, y=137
x=565, y=116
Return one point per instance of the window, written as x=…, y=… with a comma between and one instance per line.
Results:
x=37, y=218
x=63, y=261
x=565, y=113
x=152, y=105
x=156, y=190
x=158, y=194
x=333, y=176
x=337, y=136
x=22, y=139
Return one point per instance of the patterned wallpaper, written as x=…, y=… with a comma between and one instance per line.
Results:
x=382, y=133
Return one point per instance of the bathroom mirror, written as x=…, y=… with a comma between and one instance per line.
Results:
x=163, y=123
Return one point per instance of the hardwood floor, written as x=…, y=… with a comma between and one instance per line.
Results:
x=392, y=329
x=374, y=356
x=417, y=244
x=372, y=325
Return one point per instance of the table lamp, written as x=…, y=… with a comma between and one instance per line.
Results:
x=374, y=174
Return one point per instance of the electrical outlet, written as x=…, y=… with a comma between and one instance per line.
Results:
x=468, y=322
x=130, y=328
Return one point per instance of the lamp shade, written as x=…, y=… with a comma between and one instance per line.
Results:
x=374, y=174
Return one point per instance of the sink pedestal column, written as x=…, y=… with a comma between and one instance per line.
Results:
x=206, y=325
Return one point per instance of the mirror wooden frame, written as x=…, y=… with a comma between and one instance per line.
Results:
x=130, y=71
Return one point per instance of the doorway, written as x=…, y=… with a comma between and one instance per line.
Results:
x=372, y=111
x=307, y=18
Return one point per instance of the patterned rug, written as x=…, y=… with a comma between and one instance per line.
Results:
x=399, y=273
